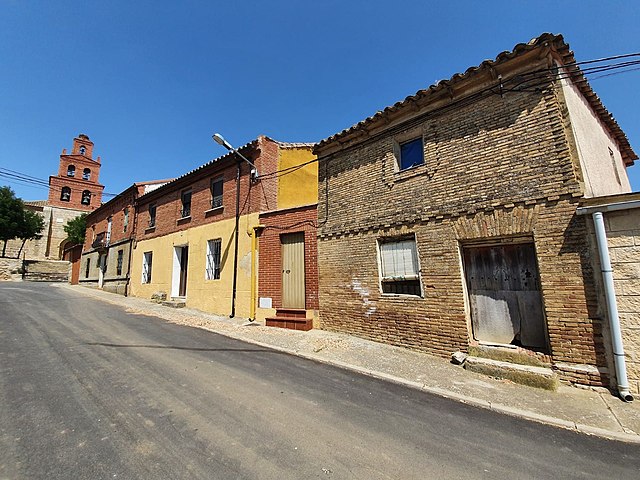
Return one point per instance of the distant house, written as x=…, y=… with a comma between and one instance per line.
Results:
x=198, y=238
x=110, y=230
x=448, y=220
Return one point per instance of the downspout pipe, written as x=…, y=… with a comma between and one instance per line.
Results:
x=254, y=249
x=612, y=307
x=235, y=247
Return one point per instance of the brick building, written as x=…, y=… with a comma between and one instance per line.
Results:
x=288, y=270
x=110, y=231
x=74, y=190
x=186, y=230
x=448, y=220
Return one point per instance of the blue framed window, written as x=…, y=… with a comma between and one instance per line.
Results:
x=411, y=154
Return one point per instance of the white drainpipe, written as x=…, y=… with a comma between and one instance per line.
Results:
x=612, y=306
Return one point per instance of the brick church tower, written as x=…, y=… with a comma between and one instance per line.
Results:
x=76, y=185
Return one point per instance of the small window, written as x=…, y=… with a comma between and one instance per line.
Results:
x=86, y=174
x=410, y=154
x=186, y=203
x=125, y=222
x=119, y=262
x=399, y=270
x=152, y=215
x=86, y=269
x=147, y=261
x=65, y=194
x=614, y=165
x=214, y=248
x=83, y=150
x=216, y=193
x=86, y=197
x=71, y=171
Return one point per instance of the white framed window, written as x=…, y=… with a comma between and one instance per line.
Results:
x=399, y=266
x=147, y=262
x=409, y=153
x=214, y=250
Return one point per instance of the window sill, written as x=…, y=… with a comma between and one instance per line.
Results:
x=410, y=172
x=401, y=295
x=150, y=229
x=214, y=211
x=183, y=220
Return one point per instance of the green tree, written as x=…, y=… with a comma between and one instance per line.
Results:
x=11, y=216
x=76, y=229
x=32, y=225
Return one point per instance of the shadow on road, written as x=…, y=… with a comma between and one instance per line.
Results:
x=194, y=349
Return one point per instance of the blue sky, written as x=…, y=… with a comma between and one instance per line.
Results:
x=151, y=81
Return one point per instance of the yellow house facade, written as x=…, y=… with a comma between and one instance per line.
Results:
x=187, y=249
x=204, y=293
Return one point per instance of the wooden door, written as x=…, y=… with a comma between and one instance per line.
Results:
x=184, y=262
x=293, y=286
x=504, y=294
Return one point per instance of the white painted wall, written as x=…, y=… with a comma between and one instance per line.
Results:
x=593, y=142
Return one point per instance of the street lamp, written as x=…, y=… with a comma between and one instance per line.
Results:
x=219, y=139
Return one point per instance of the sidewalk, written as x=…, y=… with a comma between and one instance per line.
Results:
x=589, y=412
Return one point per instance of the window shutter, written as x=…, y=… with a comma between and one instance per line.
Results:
x=399, y=259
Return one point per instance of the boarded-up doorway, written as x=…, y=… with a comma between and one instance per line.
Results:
x=504, y=295
x=293, y=286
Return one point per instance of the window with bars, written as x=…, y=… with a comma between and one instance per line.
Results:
x=214, y=249
x=125, y=222
x=186, y=203
x=147, y=261
x=152, y=215
x=216, y=193
x=119, y=262
x=399, y=267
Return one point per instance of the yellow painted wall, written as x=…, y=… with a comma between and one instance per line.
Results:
x=300, y=187
x=207, y=295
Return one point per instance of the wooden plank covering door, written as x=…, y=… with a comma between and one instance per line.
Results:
x=293, y=286
x=504, y=294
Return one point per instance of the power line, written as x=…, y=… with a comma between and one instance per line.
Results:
x=31, y=181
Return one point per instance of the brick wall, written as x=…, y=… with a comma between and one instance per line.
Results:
x=500, y=167
x=97, y=221
x=254, y=196
x=77, y=183
x=302, y=219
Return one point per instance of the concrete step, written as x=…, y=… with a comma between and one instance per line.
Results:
x=299, y=313
x=539, y=377
x=46, y=270
x=304, y=324
x=175, y=303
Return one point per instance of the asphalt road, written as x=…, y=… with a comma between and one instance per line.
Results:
x=89, y=391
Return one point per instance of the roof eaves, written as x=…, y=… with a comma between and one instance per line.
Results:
x=544, y=39
x=178, y=180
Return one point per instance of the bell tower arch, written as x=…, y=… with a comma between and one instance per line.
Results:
x=76, y=186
